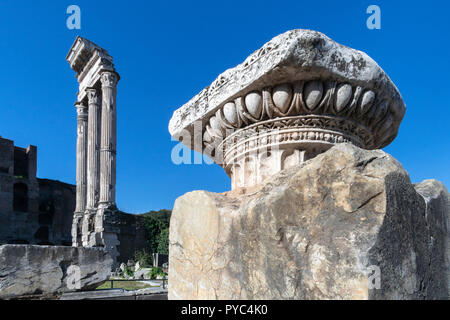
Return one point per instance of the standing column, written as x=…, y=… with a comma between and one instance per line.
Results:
x=82, y=119
x=93, y=153
x=108, y=144
x=93, y=163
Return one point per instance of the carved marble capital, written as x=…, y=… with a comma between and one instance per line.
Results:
x=294, y=98
x=109, y=79
x=82, y=111
x=94, y=96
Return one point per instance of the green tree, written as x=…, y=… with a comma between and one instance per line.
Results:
x=144, y=258
x=155, y=223
x=163, y=241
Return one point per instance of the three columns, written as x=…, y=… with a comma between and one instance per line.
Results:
x=96, y=159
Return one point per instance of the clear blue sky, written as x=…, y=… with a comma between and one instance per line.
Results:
x=167, y=51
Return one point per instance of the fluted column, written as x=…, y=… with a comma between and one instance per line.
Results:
x=82, y=124
x=82, y=119
x=108, y=140
x=93, y=152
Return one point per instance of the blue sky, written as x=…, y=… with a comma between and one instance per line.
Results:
x=166, y=52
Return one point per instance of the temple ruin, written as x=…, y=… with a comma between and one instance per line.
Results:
x=95, y=217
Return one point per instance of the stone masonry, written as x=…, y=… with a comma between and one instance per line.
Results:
x=32, y=210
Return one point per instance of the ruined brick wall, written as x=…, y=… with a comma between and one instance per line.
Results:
x=32, y=210
x=40, y=211
x=19, y=193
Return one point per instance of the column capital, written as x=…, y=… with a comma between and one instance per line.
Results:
x=93, y=96
x=109, y=78
x=288, y=102
x=82, y=110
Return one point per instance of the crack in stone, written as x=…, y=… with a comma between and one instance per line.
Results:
x=364, y=163
x=367, y=201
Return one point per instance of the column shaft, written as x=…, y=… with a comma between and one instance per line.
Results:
x=93, y=152
x=80, y=204
x=108, y=140
x=82, y=123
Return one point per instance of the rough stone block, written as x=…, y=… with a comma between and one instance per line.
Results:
x=321, y=230
x=29, y=269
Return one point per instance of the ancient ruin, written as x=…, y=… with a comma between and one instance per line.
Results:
x=316, y=211
x=40, y=211
x=96, y=213
x=36, y=215
x=32, y=210
x=294, y=98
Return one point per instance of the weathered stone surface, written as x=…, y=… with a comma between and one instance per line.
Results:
x=28, y=269
x=437, y=203
x=315, y=232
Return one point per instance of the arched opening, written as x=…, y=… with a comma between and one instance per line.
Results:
x=20, y=197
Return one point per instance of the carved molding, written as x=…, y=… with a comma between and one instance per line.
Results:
x=304, y=116
x=321, y=104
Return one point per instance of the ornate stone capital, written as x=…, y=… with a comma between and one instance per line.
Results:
x=82, y=110
x=109, y=79
x=294, y=98
x=94, y=96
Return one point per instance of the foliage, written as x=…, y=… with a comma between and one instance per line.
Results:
x=128, y=271
x=144, y=258
x=163, y=241
x=127, y=285
x=155, y=272
x=155, y=222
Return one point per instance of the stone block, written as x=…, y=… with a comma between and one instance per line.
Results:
x=29, y=269
x=347, y=224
